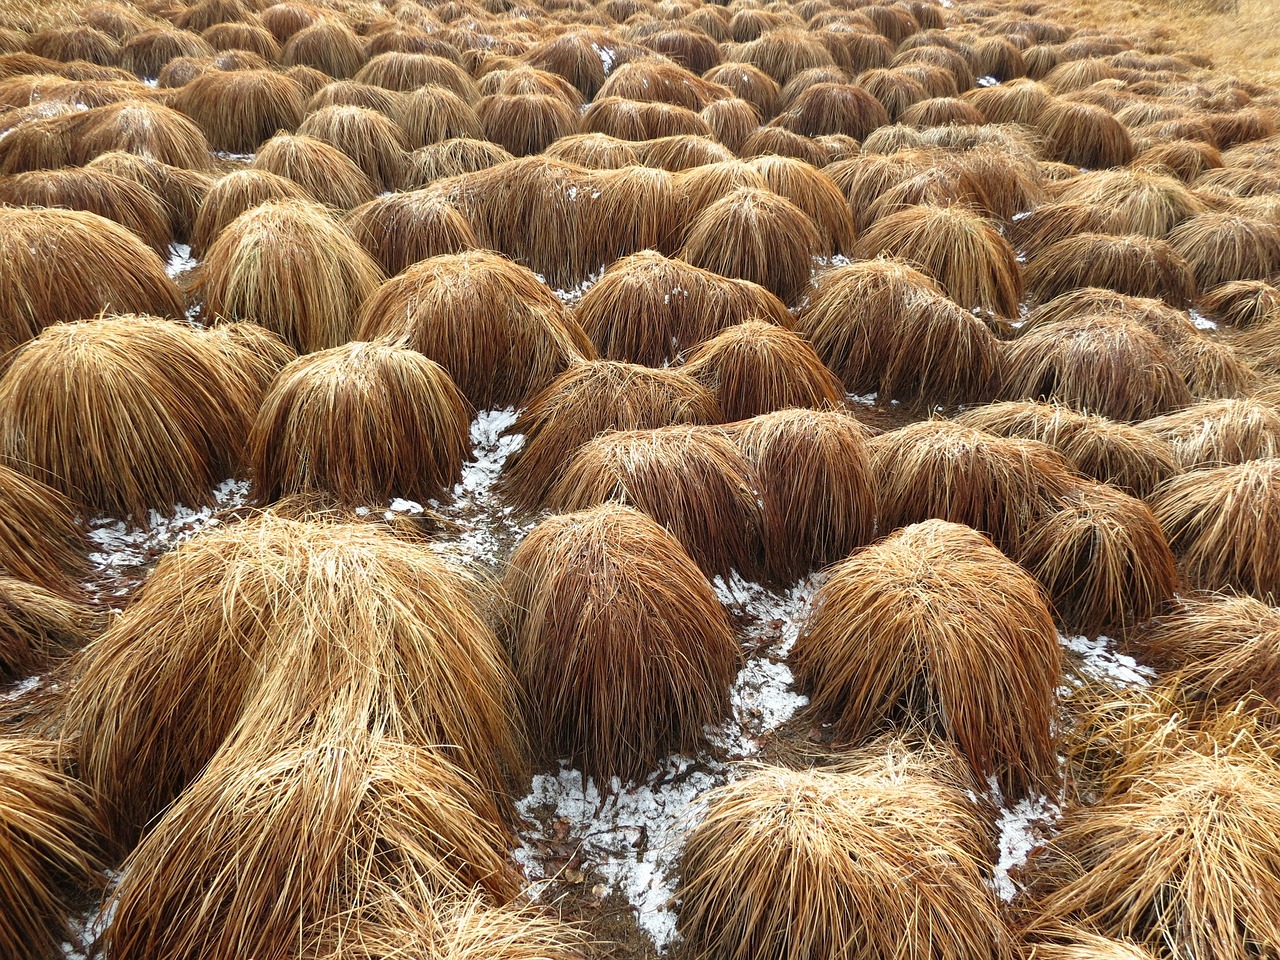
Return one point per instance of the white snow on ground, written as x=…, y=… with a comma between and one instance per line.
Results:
x=180, y=260
x=1201, y=321
x=573, y=296
x=631, y=835
x=1098, y=659
x=1023, y=827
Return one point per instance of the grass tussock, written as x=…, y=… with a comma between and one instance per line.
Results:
x=1222, y=522
x=433, y=114
x=732, y=122
x=619, y=640
x=254, y=354
x=401, y=229
x=52, y=852
x=318, y=826
x=1242, y=304
x=451, y=157
x=334, y=423
x=146, y=53
x=970, y=259
x=271, y=633
x=238, y=110
x=940, y=469
x=814, y=472
x=525, y=124
x=232, y=195
x=690, y=479
x=825, y=108
x=756, y=367
x=39, y=627
x=1098, y=364
x=683, y=152
x=648, y=309
x=1103, y=560
x=498, y=331
x=595, y=151
x=42, y=541
x=405, y=72
x=589, y=399
x=935, y=626
x=123, y=415
x=1140, y=201
x=147, y=129
x=1170, y=324
x=1220, y=432
x=328, y=45
x=1083, y=135
x=815, y=193
x=855, y=864
x=324, y=172
x=180, y=192
x=759, y=236
x=1222, y=247
x=882, y=326
x=1123, y=455
x=59, y=266
x=287, y=266
x=373, y=141
x=1133, y=265
x=748, y=83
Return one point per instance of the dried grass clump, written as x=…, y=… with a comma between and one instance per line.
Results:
x=1243, y=304
x=1184, y=159
x=270, y=633
x=942, y=112
x=522, y=79
x=318, y=826
x=255, y=354
x=349, y=93
x=329, y=46
x=627, y=210
x=147, y=129
x=692, y=480
x=401, y=229
x=1221, y=432
x=234, y=194
x=756, y=367
x=943, y=470
x=1083, y=135
x=972, y=262
x=895, y=90
x=77, y=188
x=834, y=108
x=181, y=192
x=641, y=120
x=749, y=83
x=287, y=266
x=1100, y=364
x=884, y=327
x=1133, y=265
x=361, y=423
x=702, y=186
x=1123, y=455
x=451, y=158
x=1019, y=101
x=814, y=472
x=527, y=123
x=405, y=72
x=782, y=53
x=813, y=192
x=373, y=141
x=1172, y=860
x=52, y=851
x=78, y=42
x=648, y=309
x=732, y=121
x=241, y=37
x=490, y=322
x=431, y=114
x=123, y=415
x=1221, y=247
x=207, y=13
x=240, y=109
x=62, y=265
x=1103, y=560
x=587, y=400
x=660, y=81
x=595, y=151
x=779, y=142
x=42, y=540
x=1222, y=523
x=683, y=152
x=327, y=174
x=1139, y=201
x=146, y=53
x=935, y=626
x=756, y=235
x=619, y=640
x=858, y=864
x=1170, y=324
x=38, y=626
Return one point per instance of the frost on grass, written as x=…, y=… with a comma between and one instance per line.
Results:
x=180, y=260
x=630, y=837
x=1097, y=659
x=1024, y=827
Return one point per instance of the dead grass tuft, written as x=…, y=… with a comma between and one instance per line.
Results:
x=1242, y=304
x=1133, y=265
x=619, y=640
x=1221, y=432
x=433, y=114
x=451, y=158
x=238, y=110
x=401, y=229
x=373, y=141
x=328, y=45
x=42, y=541
x=327, y=174
x=181, y=192
x=934, y=626
x=1083, y=135
x=1221, y=247
x=232, y=195
x=38, y=627
x=525, y=124
x=150, y=130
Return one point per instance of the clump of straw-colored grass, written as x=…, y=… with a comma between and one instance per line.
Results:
x=647, y=308
x=935, y=626
x=317, y=826
x=62, y=265
x=324, y=172
x=1222, y=523
x=270, y=632
x=146, y=53
x=38, y=626
x=813, y=192
x=238, y=110
x=1134, y=265
x=756, y=367
x=51, y=850
x=232, y=195
x=749, y=83
x=619, y=641
x=834, y=108
x=1140, y=201
x=589, y=399
x=373, y=141
x=963, y=251
x=1083, y=135
x=181, y=192
x=692, y=480
x=148, y=129
x=287, y=266
x=882, y=326
x=1220, y=432
x=123, y=415
x=1103, y=560
x=525, y=124
x=362, y=423
x=814, y=471
x=940, y=469
x=41, y=539
x=1242, y=304
x=451, y=158
x=328, y=45
x=1221, y=247
x=431, y=114
x=1127, y=456
x=682, y=152
x=595, y=151
x=756, y=235
x=1099, y=364
x=499, y=332
x=858, y=864
x=401, y=229
x=641, y=120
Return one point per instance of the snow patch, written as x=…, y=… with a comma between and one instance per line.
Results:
x=180, y=260
x=1201, y=321
x=1024, y=827
x=1099, y=660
